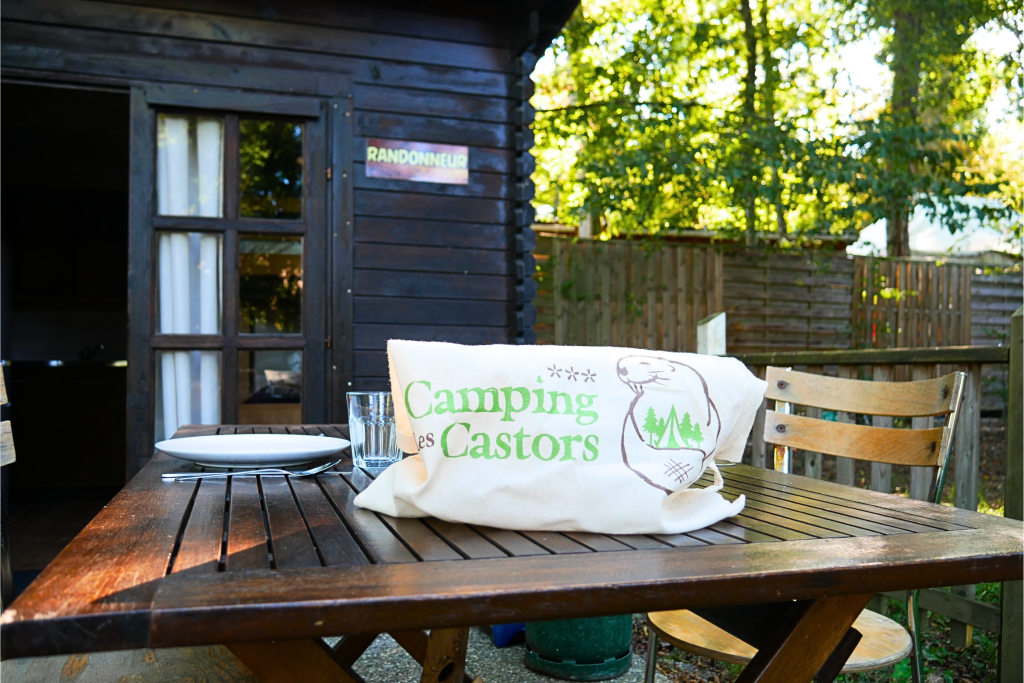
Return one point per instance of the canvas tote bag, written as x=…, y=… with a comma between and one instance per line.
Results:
x=563, y=438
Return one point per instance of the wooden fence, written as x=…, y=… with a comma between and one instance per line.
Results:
x=651, y=295
x=593, y=293
x=900, y=303
x=995, y=294
x=786, y=301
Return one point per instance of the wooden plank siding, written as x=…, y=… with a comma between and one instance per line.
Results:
x=780, y=301
x=430, y=261
x=995, y=294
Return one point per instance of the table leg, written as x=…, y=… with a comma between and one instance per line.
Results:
x=308, y=660
x=350, y=648
x=442, y=654
x=804, y=640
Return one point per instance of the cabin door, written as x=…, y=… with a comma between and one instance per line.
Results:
x=229, y=255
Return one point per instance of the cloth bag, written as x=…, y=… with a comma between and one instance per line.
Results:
x=563, y=438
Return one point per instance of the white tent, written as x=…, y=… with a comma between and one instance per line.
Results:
x=929, y=238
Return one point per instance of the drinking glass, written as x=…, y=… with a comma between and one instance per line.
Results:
x=371, y=426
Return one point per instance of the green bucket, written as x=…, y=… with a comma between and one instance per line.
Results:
x=581, y=649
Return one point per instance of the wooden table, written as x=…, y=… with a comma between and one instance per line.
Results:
x=268, y=566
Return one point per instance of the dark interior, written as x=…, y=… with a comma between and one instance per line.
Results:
x=64, y=214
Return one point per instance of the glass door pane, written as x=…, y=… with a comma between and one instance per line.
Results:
x=270, y=387
x=190, y=165
x=270, y=169
x=189, y=283
x=187, y=390
x=270, y=284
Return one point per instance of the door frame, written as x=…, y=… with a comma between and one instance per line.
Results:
x=327, y=244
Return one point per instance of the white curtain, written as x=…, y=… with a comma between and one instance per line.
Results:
x=189, y=284
x=189, y=166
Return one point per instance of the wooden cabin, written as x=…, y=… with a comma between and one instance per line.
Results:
x=218, y=211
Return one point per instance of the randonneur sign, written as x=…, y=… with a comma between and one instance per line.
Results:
x=421, y=162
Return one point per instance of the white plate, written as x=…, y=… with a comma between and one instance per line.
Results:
x=249, y=450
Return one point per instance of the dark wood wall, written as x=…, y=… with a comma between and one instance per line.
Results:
x=431, y=261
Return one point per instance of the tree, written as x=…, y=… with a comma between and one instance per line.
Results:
x=920, y=150
x=656, y=118
x=698, y=437
x=686, y=430
x=665, y=115
x=651, y=424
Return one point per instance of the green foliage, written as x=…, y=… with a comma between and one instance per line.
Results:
x=651, y=134
x=658, y=117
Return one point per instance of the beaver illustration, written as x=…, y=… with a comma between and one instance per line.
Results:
x=672, y=426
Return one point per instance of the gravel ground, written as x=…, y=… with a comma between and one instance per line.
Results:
x=386, y=662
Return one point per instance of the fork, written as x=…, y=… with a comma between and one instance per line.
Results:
x=192, y=476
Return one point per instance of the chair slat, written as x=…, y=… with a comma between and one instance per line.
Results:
x=899, y=399
x=919, y=447
x=3, y=389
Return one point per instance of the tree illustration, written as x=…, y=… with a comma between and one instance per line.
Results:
x=661, y=428
x=698, y=438
x=651, y=423
x=686, y=430
x=673, y=437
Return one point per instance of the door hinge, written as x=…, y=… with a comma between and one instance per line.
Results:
x=327, y=342
x=328, y=172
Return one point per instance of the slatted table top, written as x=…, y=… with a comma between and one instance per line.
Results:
x=254, y=558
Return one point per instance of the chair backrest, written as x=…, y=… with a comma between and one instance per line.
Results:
x=919, y=447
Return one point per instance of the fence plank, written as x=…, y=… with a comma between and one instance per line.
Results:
x=651, y=286
x=605, y=265
x=968, y=442
x=559, y=297
x=900, y=284
x=686, y=292
x=718, y=279
x=921, y=477
x=966, y=304
x=881, y=473
x=845, y=466
x=667, y=292
x=592, y=308
x=1011, y=656
x=812, y=460
x=758, y=447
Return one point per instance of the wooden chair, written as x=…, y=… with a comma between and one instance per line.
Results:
x=883, y=641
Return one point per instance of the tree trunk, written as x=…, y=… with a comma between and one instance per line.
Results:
x=770, y=65
x=897, y=236
x=749, y=191
x=906, y=78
